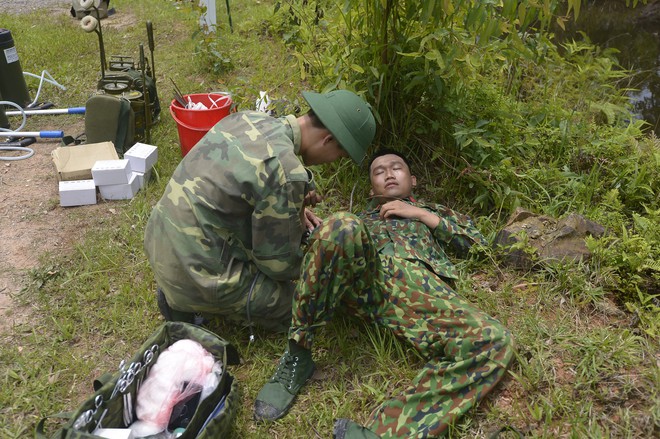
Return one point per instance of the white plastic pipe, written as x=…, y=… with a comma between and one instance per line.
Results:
x=73, y=110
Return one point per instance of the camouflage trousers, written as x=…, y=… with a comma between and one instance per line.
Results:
x=242, y=294
x=466, y=350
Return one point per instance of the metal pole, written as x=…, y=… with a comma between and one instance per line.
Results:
x=73, y=110
x=231, y=28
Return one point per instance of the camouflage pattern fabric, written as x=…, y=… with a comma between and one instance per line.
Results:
x=225, y=238
x=384, y=272
x=411, y=240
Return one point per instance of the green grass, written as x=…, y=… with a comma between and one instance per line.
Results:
x=581, y=370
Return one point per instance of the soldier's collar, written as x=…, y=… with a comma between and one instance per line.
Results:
x=374, y=204
x=295, y=128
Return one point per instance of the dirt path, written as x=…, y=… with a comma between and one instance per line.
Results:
x=32, y=223
x=24, y=6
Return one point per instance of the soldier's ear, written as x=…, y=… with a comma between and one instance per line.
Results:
x=414, y=180
x=328, y=138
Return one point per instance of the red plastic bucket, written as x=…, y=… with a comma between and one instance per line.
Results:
x=217, y=104
x=188, y=135
x=192, y=125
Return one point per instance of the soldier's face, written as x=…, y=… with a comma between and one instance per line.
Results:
x=390, y=177
x=324, y=150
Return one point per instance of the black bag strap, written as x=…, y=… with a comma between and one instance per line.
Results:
x=125, y=120
x=102, y=380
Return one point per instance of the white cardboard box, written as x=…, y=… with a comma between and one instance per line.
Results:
x=143, y=178
x=114, y=433
x=77, y=193
x=121, y=191
x=142, y=156
x=111, y=172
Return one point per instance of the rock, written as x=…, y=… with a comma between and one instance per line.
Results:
x=547, y=239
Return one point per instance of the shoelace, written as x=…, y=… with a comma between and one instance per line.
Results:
x=286, y=371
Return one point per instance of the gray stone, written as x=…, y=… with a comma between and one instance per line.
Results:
x=547, y=239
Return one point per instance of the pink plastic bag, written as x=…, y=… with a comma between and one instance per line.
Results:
x=180, y=371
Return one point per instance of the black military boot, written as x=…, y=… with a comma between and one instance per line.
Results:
x=172, y=315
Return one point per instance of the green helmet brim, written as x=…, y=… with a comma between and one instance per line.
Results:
x=348, y=117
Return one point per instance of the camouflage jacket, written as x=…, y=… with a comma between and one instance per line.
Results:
x=237, y=196
x=413, y=240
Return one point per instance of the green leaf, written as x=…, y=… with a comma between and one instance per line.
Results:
x=448, y=7
x=357, y=68
x=522, y=15
x=509, y=9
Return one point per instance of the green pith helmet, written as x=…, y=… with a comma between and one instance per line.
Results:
x=348, y=117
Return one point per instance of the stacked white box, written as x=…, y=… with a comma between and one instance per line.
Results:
x=116, y=179
x=143, y=178
x=142, y=157
x=77, y=193
x=121, y=191
x=111, y=172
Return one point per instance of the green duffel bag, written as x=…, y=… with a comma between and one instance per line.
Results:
x=212, y=418
x=110, y=118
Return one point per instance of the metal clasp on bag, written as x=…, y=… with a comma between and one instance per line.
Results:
x=127, y=376
x=88, y=415
x=124, y=380
x=149, y=354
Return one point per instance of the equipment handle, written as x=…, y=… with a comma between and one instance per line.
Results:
x=73, y=110
x=48, y=134
x=51, y=134
x=150, y=35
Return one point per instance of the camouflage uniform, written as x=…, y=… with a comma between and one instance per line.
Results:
x=395, y=273
x=227, y=231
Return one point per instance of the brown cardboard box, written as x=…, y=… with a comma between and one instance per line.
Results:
x=75, y=162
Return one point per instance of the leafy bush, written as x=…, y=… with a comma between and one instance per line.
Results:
x=493, y=112
x=631, y=257
x=208, y=45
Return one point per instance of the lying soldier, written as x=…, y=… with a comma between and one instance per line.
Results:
x=388, y=266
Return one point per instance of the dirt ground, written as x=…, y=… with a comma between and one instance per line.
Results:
x=25, y=6
x=32, y=223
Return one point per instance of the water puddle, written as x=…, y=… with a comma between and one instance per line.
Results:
x=635, y=33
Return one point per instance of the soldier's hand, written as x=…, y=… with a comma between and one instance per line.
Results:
x=312, y=199
x=311, y=220
x=405, y=210
x=400, y=209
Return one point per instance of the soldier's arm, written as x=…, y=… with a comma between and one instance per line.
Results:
x=456, y=230
x=277, y=230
